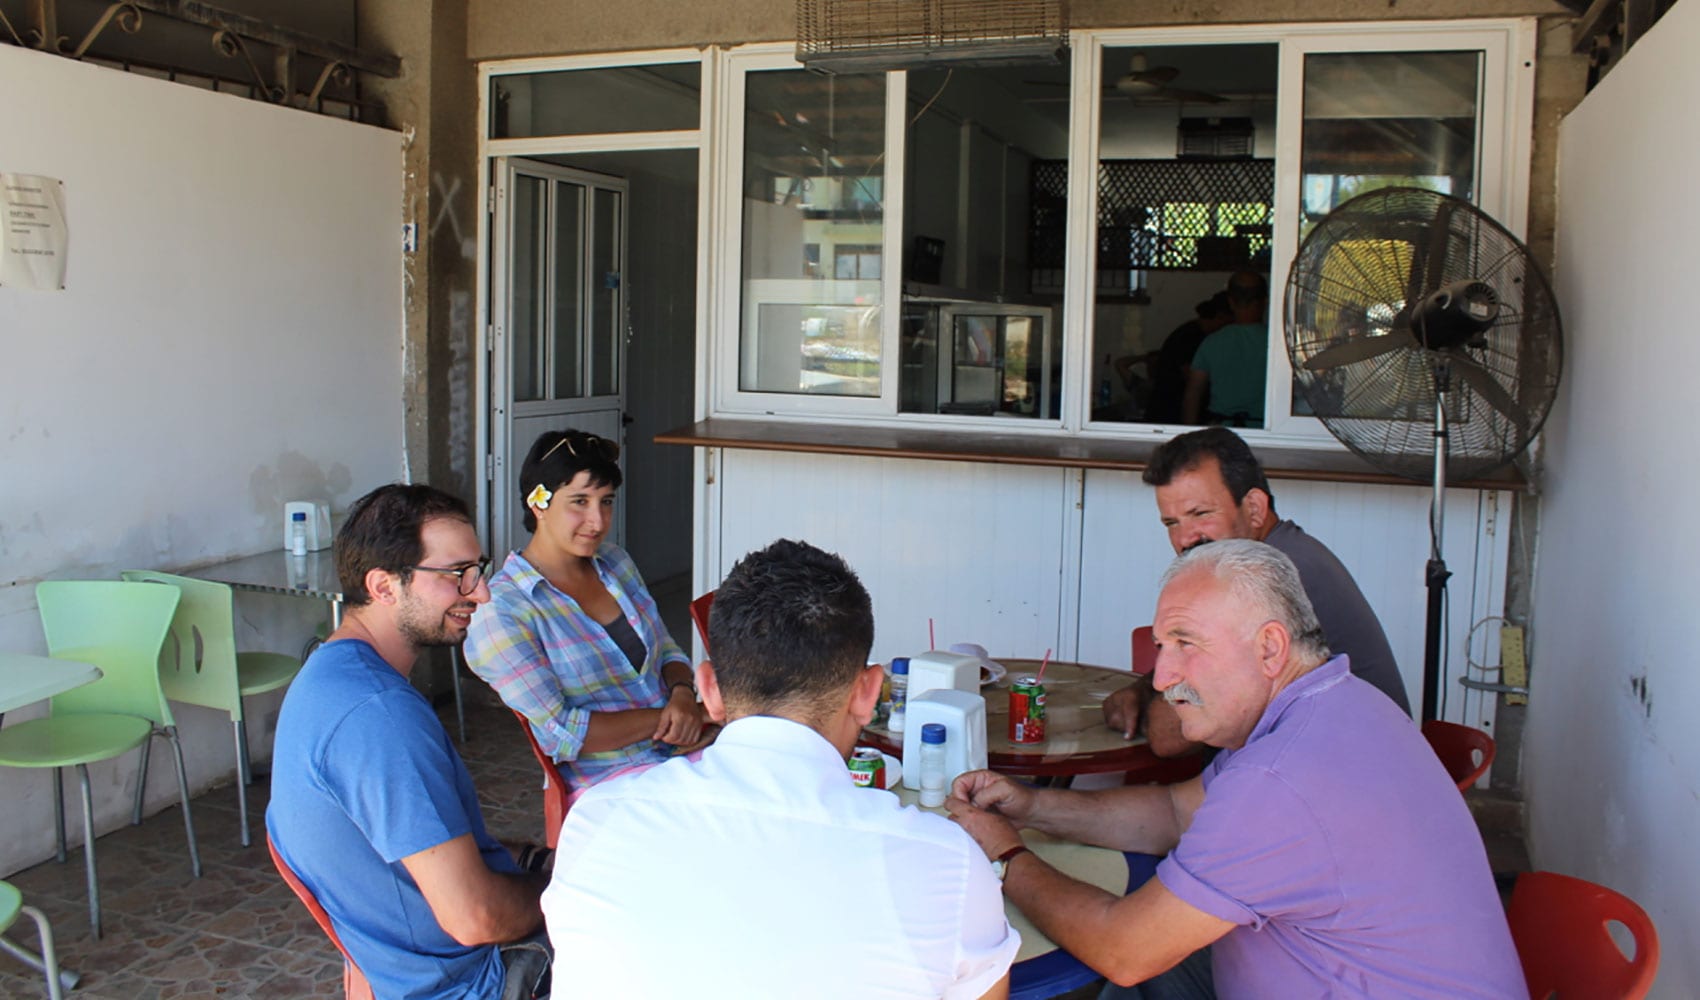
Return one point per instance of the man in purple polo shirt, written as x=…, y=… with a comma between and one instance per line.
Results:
x=1324, y=852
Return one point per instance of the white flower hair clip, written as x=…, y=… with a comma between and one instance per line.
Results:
x=539, y=497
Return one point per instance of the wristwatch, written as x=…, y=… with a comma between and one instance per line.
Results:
x=1000, y=864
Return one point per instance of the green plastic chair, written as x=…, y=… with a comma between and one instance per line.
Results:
x=47, y=963
x=199, y=664
x=118, y=627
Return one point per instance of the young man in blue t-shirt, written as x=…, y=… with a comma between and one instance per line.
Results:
x=371, y=805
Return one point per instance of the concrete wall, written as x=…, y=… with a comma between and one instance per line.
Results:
x=228, y=339
x=501, y=29
x=1612, y=755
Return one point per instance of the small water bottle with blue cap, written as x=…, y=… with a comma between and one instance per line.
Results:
x=932, y=764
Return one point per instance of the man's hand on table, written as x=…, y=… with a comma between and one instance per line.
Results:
x=682, y=718
x=1123, y=709
x=991, y=807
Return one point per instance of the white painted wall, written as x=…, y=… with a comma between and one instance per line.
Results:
x=1612, y=754
x=1023, y=558
x=229, y=338
x=1379, y=532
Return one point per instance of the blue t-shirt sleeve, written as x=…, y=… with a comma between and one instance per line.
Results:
x=1254, y=850
x=390, y=767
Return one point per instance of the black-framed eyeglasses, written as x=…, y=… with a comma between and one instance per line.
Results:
x=466, y=577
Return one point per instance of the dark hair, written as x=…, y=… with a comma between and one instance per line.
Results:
x=1214, y=306
x=790, y=624
x=1241, y=471
x=1247, y=287
x=557, y=457
x=383, y=530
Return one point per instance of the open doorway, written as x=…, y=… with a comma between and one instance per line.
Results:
x=602, y=307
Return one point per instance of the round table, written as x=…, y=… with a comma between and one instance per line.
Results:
x=1076, y=739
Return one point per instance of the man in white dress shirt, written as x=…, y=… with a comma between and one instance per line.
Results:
x=761, y=870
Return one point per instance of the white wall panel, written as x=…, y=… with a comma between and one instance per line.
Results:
x=229, y=338
x=979, y=548
x=1612, y=751
x=993, y=553
x=1379, y=532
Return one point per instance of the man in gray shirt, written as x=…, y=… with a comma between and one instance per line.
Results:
x=1209, y=487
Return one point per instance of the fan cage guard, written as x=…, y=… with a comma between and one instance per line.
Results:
x=1383, y=409
x=873, y=35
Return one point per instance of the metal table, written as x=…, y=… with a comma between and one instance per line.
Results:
x=277, y=572
x=26, y=678
x=312, y=576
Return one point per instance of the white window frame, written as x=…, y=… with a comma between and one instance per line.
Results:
x=1506, y=117
x=727, y=241
x=490, y=258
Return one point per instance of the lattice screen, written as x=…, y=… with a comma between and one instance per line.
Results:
x=894, y=34
x=1158, y=215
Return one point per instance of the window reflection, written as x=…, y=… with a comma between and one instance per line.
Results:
x=1383, y=119
x=1186, y=181
x=814, y=228
x=981, y=314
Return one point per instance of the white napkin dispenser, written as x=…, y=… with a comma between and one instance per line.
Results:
x=964, y=718
x=949, y=671
x=318, y=523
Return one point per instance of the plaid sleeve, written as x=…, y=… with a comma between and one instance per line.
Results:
x=503, y=647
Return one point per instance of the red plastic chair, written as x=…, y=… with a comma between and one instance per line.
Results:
x=1161, y=770
x=1144, y=650
x=354, y=985
x=1560, y=924
x=556, y=795
x=1457, y=747
x=699, y=614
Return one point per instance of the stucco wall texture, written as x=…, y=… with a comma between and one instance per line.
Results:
x=502, y=29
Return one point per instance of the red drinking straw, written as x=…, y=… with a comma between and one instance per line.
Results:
x=930, y=643
x=1042, y=664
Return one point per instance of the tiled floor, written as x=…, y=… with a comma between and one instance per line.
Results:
x=238, y=932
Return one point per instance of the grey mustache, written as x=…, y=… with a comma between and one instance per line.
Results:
x=1182, y=691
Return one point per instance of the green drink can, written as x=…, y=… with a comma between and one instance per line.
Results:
x=867, y=768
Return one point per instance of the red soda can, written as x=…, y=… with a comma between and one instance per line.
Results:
x=1027, y=710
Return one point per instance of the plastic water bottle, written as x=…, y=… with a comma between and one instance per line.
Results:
x=298, y=534
x=899, y=693
x=932, y=764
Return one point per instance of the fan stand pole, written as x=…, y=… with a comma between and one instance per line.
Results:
x=1436, y=574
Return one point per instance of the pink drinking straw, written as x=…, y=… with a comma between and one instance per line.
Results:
x=930, y=643
x=1042, y=664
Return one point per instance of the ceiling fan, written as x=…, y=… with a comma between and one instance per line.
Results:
x=1143, y=81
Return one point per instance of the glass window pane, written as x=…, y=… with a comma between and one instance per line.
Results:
x=814, y=227
x=606, y=298
x=1379, y=119
x=659, y=98
x=527, y=261
x=568, y=348
x=1186, y=181
x=985, y=212
x=1383, y=119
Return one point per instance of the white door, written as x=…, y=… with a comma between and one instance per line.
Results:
x=558, y=308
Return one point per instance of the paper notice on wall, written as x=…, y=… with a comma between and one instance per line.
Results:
x=33, y=235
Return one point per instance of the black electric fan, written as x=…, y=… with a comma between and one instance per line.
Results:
x=1423, y=336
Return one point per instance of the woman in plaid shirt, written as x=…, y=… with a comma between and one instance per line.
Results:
x=571, y=638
